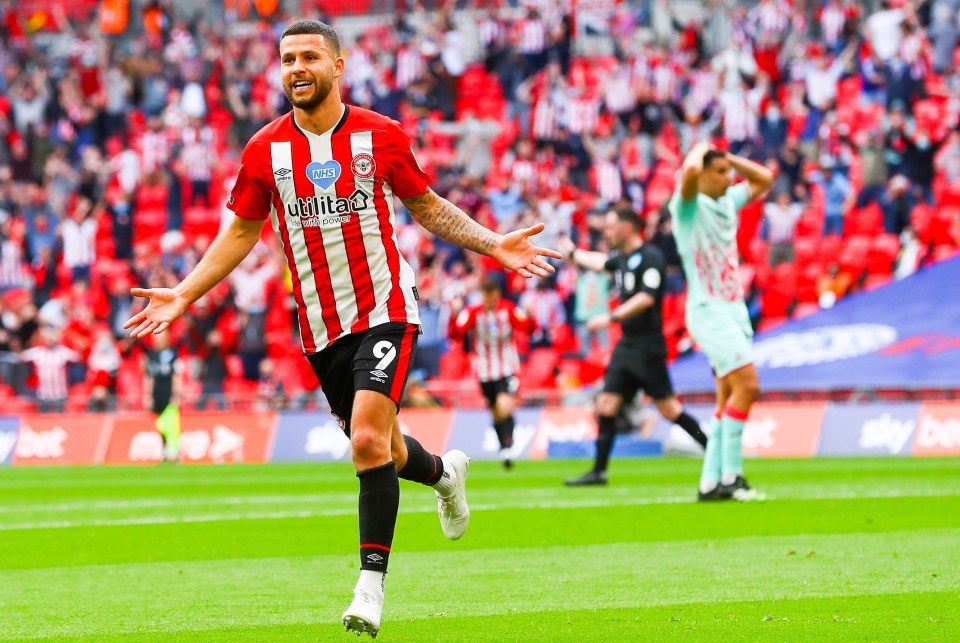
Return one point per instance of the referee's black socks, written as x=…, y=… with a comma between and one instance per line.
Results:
x=691, y=426
x=607, y=431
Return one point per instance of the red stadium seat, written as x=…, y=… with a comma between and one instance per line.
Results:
x=759, y=250
x=829, y=249
x=806, y=249
x=867, y=221
x=540, y=369
x=882, y=254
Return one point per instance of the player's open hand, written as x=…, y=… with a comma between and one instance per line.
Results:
x=165, y=306
x=517, y=253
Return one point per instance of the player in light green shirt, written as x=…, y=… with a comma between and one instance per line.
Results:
x=704, y=211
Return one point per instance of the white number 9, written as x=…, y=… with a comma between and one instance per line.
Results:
x=386, y=351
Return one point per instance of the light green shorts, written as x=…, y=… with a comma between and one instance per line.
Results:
x=723, y=333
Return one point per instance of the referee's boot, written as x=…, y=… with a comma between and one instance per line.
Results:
x=592, y=477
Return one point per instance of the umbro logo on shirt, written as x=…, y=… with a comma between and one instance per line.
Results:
x=283, y=174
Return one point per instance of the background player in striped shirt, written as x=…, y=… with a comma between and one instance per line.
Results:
x=493, y=324
x=705, y=211
x=326, y=176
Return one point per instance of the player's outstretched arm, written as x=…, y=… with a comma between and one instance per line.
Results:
x=595, y=261
x=690, y=172
x=759, y=177
x=166, y=305
x=514, y=250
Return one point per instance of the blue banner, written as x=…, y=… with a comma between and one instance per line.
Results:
x=904, y=335
x=9, y=426
x=868, y=429
x=309, y=437
x=473, y=434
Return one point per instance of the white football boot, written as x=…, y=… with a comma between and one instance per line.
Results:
x=365, y=612
x=452, y=505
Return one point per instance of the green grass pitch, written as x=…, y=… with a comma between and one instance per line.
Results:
x=843, y=549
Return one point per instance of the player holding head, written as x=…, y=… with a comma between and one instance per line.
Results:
x=639, y=359
x=493, y=323
x=704, y=212
x=326, y=176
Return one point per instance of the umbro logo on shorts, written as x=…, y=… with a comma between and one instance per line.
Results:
x=378, y=374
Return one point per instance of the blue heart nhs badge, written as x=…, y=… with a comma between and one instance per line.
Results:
x=323, y=175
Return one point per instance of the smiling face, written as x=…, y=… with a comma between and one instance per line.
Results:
x=308, y=69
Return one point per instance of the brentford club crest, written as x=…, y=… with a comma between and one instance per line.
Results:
x=363, y=166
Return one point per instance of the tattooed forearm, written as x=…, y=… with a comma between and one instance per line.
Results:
x=449, y=222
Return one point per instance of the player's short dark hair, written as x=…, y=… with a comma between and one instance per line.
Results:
x=489, y=285
x=711, y=156
x=628, y=215
x=301, y=27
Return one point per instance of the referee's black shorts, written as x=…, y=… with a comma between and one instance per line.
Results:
x=633, y=368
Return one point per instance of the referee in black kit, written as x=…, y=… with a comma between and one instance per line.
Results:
x=639, y=360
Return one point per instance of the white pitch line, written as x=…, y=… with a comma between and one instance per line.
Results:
x=539, y=504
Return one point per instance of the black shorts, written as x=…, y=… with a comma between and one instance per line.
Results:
x=633, y=368
x=495, y=387
x=378, y=359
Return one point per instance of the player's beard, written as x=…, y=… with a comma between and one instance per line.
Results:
x=321, y=90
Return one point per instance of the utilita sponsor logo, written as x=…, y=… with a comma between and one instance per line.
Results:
x=320, y=211
x=565, y=432
x=934, y=433
x=886, y=432
x=8, y=439
x=41, y=444
x=758, y=434
x=327, y=439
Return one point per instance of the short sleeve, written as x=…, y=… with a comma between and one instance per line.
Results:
x=680, y=209
x=650, y=276
x=250, y=197
x=404, y=174
x=739, y=195
x=612, y=262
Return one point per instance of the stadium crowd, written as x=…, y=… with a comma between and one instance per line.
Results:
x=118, y=149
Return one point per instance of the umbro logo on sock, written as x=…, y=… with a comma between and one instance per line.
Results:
x=376, y=559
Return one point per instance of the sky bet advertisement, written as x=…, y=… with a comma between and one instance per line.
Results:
x=774, y=430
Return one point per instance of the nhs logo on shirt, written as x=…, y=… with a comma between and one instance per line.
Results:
x=323, y=175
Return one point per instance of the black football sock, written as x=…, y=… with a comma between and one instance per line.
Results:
x=691, y=426
x=504, y=429
x=605, y=436
x=379, y=503
x=421, y=466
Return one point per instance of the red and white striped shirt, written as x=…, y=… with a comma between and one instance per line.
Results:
x=494, y=345
x=832, y=21
x=50, y=364
x=330, y=199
